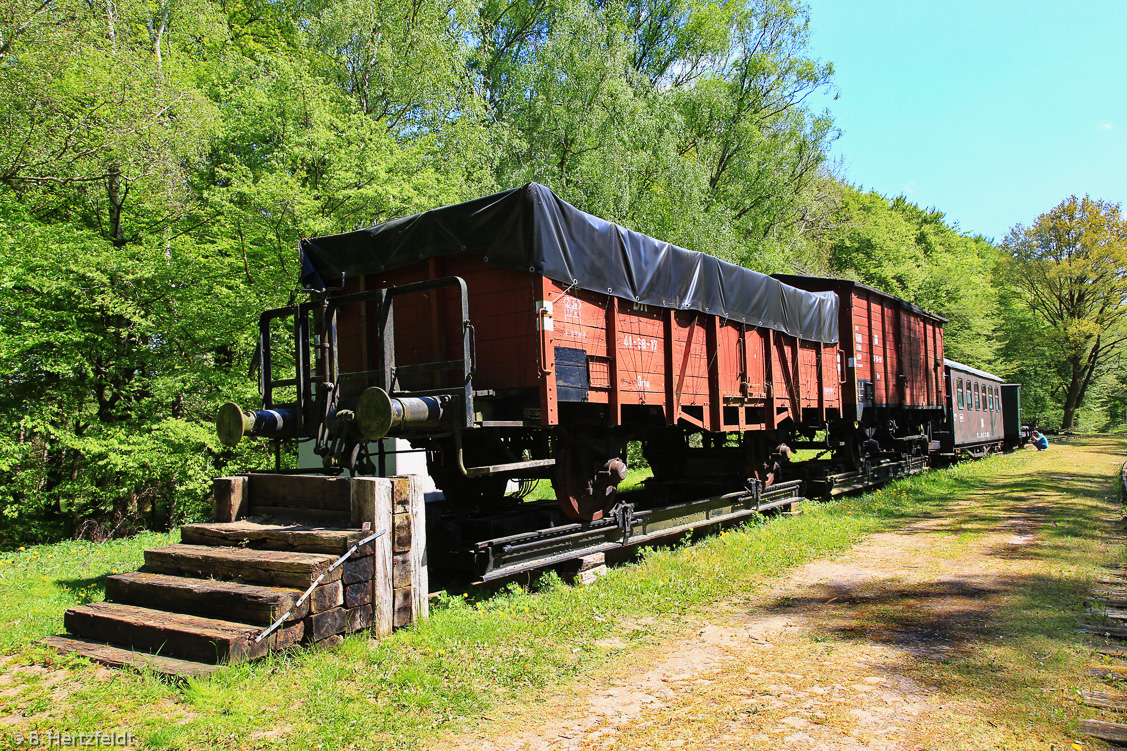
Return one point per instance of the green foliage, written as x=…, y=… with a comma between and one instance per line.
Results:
x=1069, y=270
x=913, y=253
x=160, y=160
x=682, y=120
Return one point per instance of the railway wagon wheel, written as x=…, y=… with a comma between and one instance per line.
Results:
x=586, y=482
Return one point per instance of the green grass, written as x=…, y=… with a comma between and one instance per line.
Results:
x=40, y=582
x=635, y=476
x=474, y=652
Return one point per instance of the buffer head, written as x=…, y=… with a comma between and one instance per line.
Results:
x=374, y=413
x=230, y=424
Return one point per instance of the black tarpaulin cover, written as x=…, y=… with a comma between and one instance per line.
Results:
x=532, y=229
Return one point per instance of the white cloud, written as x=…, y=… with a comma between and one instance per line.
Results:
x=1105, y=125
x=909, y=188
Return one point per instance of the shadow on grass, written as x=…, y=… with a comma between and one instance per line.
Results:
x=984, y=630
x=954, y=613
x=1030, y=503
x=86, y=582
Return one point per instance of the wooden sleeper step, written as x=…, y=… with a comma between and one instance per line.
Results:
x=1108, y=631
x=294, y=537
x=188, y=637
x=303, y=492
x=273, y=567
x=1110, y=613
x=297, y=515
x=1111, y=650
x=108, y=654
x=246, y=603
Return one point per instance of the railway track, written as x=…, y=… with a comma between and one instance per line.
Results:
x=533, y=536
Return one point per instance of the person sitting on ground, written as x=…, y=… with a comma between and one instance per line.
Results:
x=1040, y=442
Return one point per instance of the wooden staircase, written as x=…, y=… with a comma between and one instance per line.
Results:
x=207, y=600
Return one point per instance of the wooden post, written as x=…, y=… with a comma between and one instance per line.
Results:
x=410, y=578
x=770, y=413
x=545, y=326
x=229, y=498
x=372, y=503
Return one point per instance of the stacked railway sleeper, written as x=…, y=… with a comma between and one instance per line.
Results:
x=1107, y=628
x=288, y=560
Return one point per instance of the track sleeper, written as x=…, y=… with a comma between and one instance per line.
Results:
x=1105, y=731
x=1103, y=700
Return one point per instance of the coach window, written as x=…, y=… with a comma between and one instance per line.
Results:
x=989, y=398
x=977, y=402
x=993, y=400
x=959, y=394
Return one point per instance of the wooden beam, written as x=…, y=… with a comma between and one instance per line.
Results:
x=300, y=491
x=187, y=637
x=372, y=504
x=1103, y=700
x=108, y=654
x=1107, y=631
x=1105, y=731
x=410, y=576
x=229, y=498
x=1110, y=672
x=206, y=597
x=275, y=567
x=296, y=537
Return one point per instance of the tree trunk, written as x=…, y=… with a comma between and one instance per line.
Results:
x=116, y=198
x=1072, y=396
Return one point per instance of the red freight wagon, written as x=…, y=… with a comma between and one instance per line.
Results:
x=589, y=356
x=892, y=360
x=515, y=337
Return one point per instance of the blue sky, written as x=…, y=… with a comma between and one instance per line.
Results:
x=992, y=112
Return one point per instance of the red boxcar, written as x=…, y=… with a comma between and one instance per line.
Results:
x=892, y=359
x=597, y=355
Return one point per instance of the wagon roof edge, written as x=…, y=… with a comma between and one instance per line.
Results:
x=831, y=281
x=956, y=365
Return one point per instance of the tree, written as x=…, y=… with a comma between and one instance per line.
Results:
x=1071, y=268
x=159, y=160
x=683, y=120
x=900, y=248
